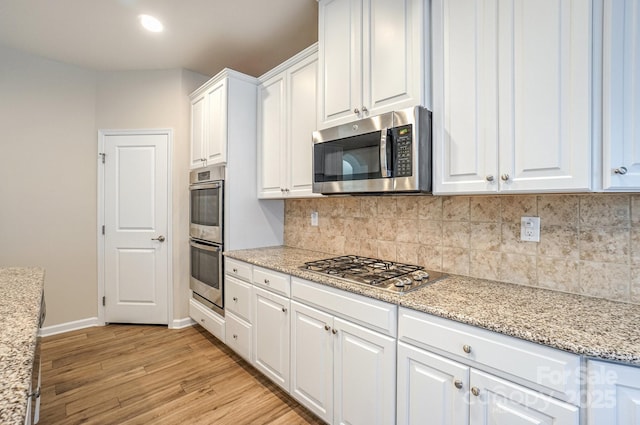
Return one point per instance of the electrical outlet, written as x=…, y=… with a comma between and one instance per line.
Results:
x=314, y=218
x=530, y=229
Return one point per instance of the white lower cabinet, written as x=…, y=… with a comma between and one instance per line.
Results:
x=448, y=375
x=207, y=319
x=238, y=335
x=271, y=336
x=340, y=370
x=613, y=394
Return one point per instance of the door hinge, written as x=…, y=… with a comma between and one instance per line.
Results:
x=103, y=155
x=104, y=301
x=103, y=229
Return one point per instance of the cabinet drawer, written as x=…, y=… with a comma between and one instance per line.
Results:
x=237, y=269
x=368, y=312
x=238, y=336
x=272, y=280
x=207, y=319
x=551, y=371
x=237, y=297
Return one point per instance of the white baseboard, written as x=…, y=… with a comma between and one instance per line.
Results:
x=70, y=326
x=182, y=323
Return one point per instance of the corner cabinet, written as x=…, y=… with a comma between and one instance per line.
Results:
x=512, y=99
x=373, y=58
x=210, y=118
x=286, y=120
x=621, y=95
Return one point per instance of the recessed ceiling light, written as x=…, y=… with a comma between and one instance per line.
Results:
x=150, y=23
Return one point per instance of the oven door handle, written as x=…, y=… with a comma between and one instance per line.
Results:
x=206, y=247
x=209, y=185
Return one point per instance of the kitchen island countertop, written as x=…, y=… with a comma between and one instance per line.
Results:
x=593, y=327
x=20, y=296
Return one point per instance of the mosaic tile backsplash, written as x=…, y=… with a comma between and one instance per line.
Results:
x=589, y=244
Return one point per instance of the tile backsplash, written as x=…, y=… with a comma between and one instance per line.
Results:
x=589, y=244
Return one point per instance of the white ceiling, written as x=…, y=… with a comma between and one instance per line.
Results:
x=250, y=36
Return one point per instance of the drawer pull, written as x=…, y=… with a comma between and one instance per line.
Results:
x=475, y=391
x=334, y=331
x=466, y=348
x=266, y=281
x=235, y=336
x=284, y=310
x=458, y=384
x=235, y=299
x=327, y=327
x=202, y=320
x=235, y=270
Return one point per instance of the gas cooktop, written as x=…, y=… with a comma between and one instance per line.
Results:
x=389, y=275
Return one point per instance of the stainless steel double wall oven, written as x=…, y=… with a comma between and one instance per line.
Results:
x=206, y=232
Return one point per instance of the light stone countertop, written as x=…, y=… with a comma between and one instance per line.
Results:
x=592, y=327
x=20, y=295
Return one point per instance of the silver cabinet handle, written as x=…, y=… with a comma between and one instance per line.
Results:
x=458, y=384
x=489, y=178
x=235, y=270
x=202, y=320
x=364, y=109
x=235, y=299
x=356, y=111
x=466, y=348
x=334, y=331
x=327, y=327
x=266, y=281
x=505, y=177
x=621, y=170
x=475, y=391
x=235, y=336
x=159, y=239
x=284, y=310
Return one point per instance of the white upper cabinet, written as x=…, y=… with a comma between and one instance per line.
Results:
x=372, y=58
x=210, y=118
x=287, y=119
x=621, y=95
x=512, y=96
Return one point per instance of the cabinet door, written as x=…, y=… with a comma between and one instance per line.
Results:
x=312, y=359
x=613, y=394
x=197, y=132
x=271, y=137
x=271, y=336
x=501, y=402
x=364, y=375
x=216, y=132
x=301, y=124
x=340, y=50
x=393, y=54
x=621, y=95
x=465, y=102
x=544, y=95
x=431, y=389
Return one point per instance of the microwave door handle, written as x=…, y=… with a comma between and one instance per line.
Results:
x=384, y=161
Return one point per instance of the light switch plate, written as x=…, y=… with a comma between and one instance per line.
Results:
x=530, y=229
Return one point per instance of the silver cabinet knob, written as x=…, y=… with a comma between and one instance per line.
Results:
x=505, y=177
x=235, y=299
x=466, y=348
x=475, y=391
x=364, y=110
x=489, y=178
x=235, y=336
x=159, y=239
x=284, y=309
x=356, y=111
x=266, y=281
x=334, y=331
x=202, y=320
x=235, y=270
x=621, y=170
x=458, y=384
x=327, y=327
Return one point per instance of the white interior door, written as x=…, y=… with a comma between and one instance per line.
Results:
x=135, y=217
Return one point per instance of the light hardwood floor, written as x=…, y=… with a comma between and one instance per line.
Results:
x=134, y=374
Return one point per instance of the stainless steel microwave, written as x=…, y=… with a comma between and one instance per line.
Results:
x=385, y=153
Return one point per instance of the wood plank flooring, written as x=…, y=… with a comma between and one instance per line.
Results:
x=135, y=374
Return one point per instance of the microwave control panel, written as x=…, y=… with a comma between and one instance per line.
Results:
x=403, y=151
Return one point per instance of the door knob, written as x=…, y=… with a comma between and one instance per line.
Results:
x=159, y=239
x=621, y=170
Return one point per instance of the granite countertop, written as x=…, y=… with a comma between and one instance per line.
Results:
x=587, y=326
x=21, y=292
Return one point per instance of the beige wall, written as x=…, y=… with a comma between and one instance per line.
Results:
x=590, y=244
x=49, y=115
x=48, y=178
